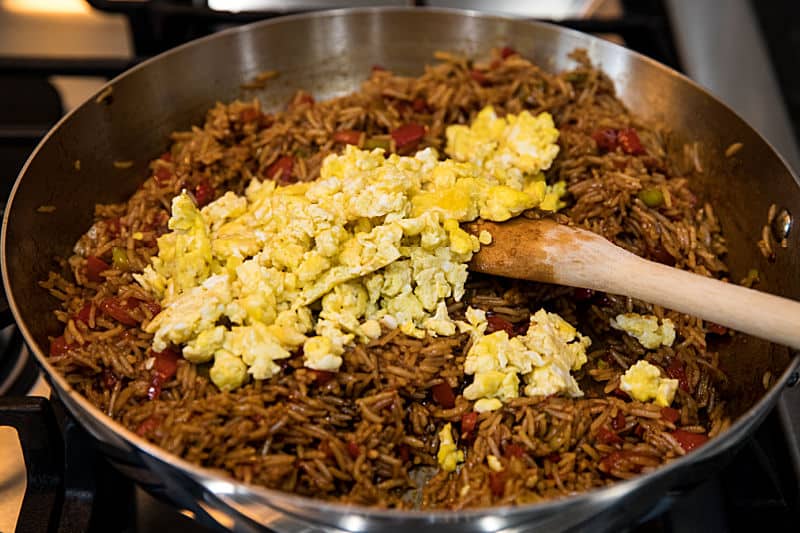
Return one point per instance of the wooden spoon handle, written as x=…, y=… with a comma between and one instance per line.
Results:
x=554, y=253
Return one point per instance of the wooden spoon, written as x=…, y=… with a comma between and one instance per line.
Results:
x=542, y=250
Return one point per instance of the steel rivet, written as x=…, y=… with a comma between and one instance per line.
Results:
x=793, y=379
x=782, y=225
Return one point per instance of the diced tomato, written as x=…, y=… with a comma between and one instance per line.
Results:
x=281, y=170
x=629, y=141
x=620, y=460
x=404, y=452
x=84, y=313
x=606, y=436
x=495, y=323
x=513, y=449
x=676, y=370
x=582, y=295
x=148, y=425
x=689, y=441
x=468, y=422
x=166, y=364
x=94, y=266
x=152, y=306
x=619, y=393
x=249, y=114
x=162, y=175
x=443, y=394
x=166, y=156
x=507, y=52
x=606, y=139
x=715, y=328
x=353, y=450
x=618, y=422
x=58, y=346
x=670, y=415
x=203, y=193
x=109, y=379
x=478, y=76
x=639, y=430
x=119, y=311
x=321, y=377
x=419, y=105
x=408, y=135
x=497, y=483
x=347, y=136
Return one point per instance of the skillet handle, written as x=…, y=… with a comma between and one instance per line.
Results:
x=42, y=449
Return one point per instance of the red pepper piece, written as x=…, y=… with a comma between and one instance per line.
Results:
x=84, y=313
x=94, y=266
x=676, y=370
x=507, y=52
x=443, y=395
x=347, y=136
x=606, y=139
x=495, y=323
x=404, y=452
x=162, y=176
x=513, y=450
x=281, y=170
x=249, y=114
x=689, y=441
x=607, y=436
x=715, y=328
x=58, y=346
x=419, y=105
x=583, y=295
x=408, y=135
x=629, y=141
x=468, y=422
x=618, y=422
x=670, y=415
x=119, y=311
x=478, y=76
x=353, y=450
x=321, y=377
x=497, y=483
x=619, y=393
x=164, y=368
x=148, y=425
x=203, y=193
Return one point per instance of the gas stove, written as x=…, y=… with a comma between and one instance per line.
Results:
x=760, y=488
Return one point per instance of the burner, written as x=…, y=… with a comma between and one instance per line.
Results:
x=18, y=369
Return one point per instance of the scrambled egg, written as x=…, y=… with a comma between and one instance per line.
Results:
x=544, y=356
x=643, y=382
x=449, y=456
x=249, y=280
x=514, y=150
x=646, y=329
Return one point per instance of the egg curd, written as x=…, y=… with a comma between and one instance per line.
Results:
x=248, y=280
x=643, y=382
x=646, y=329
x=544, y=357
x=448, y=455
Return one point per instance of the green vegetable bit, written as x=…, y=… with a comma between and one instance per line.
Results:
x=372, y=143
x=652, y=196
x=119, y=258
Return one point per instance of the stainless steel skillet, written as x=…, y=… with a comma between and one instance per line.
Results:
x=330, y=53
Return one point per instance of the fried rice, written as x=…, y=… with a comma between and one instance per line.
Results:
x=368, y=434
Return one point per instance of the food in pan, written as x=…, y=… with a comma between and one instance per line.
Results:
x=286, y=296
